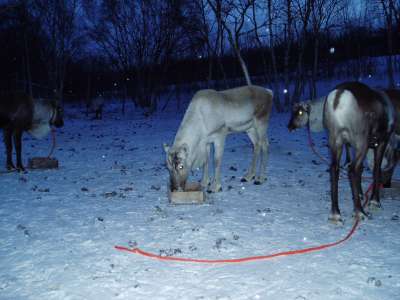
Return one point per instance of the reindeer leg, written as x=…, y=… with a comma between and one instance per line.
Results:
x=256, y=152
x=264, y=159
x=205, y=181
x=348, y=156
x=386, y=175
x=355, y=171
x=7, y=135
x=218, y=152
x=336, y=153
x=18, y=149
x=375, y=199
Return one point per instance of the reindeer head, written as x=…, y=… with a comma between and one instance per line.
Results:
x=177, y=166
x=300, y=115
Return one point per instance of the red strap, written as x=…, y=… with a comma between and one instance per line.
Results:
x=250, y=258
x=239, y=260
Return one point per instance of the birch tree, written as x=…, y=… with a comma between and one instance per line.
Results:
x=234, y=14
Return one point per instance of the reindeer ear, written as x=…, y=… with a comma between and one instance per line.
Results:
x=166, y=147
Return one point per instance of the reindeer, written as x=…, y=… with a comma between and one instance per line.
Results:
x=210, y=117
x=19, y=113
x=362, y=118
x=310, y=113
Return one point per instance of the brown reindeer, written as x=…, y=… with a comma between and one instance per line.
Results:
x=362, y=118
x=19, y=113
x=310, y=114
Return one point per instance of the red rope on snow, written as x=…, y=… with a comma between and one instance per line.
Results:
x=249, y=258
x=310, y=142
x=255, y=258
x=238, y=260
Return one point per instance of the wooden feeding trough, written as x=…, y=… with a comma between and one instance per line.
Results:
x=393, y=192
x=43, y=163
x=193, y=194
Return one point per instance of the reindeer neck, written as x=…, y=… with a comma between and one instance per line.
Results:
x=190, y=133
x=316, y=115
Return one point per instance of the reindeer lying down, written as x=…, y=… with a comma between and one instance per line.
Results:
x=210, y=117
x=19, y=113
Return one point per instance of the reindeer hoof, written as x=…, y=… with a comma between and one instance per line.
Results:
x=10, y=167
x=247, y=178
x=374, y=205
x=214, y=190
x=336, y=219
x=259, y=180
x=361, y=215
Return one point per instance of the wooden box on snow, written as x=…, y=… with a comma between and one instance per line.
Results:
x=193, y=194
x=42, y=163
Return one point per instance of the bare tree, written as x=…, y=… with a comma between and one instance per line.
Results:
x=321, y=20
x=270, y=29
x=58, y=20
x=303, y=10
x=391, y=11
x=234, y=14
x=211, y=34
x=140, y=38
x=288, y=42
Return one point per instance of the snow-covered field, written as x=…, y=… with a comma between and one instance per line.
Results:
x=58, y=228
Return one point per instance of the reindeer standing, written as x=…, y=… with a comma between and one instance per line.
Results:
x=311, y=113
x=363, y=118
x=19, y=113
x=210, y=117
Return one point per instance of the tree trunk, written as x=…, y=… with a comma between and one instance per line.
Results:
x=243, y=65
x=273, y=60
x=315, y=69
x=390, y=54
x=28, y=66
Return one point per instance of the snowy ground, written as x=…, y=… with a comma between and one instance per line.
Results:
x=58, y=228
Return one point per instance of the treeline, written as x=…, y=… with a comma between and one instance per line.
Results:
x=139, y=49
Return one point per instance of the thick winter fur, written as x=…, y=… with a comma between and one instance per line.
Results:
x=362, y=118
x=310, y=113
x=19, y=113
x=210, y=117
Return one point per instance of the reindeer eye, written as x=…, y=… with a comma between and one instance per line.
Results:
x=180, y=166
x=300, y=112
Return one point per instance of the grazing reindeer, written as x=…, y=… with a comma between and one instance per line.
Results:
x=210, y=117
x=19, y=113
x=363, y=118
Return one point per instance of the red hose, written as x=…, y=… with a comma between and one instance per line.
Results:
x=249, y=258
